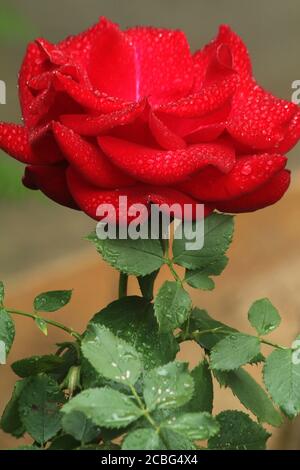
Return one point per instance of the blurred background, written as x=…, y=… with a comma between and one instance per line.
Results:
x=41, y=243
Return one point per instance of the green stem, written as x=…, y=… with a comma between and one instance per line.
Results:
x=217, y=330
x=196, y=334
x=273, y=345
x=65, y=328
x=174, y=273
x=143, y=408
x=180, y=281
x=123, y=284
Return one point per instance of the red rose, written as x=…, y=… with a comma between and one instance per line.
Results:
x=109, y=113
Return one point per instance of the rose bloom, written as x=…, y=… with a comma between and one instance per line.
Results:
x=135, y=113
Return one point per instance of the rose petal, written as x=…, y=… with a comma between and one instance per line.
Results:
x=248, y=174
x=205, y=101
x=211, y=126
x=14, y=141
x=200, y=129
x=291, y=135
x=44, y=146
x=34, y=64
x=163, y=135
x=164, y=63
x=51, y=180
x=42, y=81
x=78, y=46
x=40, y=106
x=179, y=203
x=212, y=64
x=89, y=160
x=89, y=198
x=112, y=63
x=227, y=51
x=45, y=80
x=241, y=149
x=98, y=102
x=257, y=118
x=49, y=105
x=265, y=196
x=106, y=54
x=241, y=62
x=54, y=54
x=201, y=59
x=67, y=78
x=165, y=167
x=85, y=124
x=206, y=134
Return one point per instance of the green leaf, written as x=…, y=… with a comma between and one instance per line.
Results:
x=36, y=364
x=238, y=432
x=251, y=395
x=7, y=329
x=143, y=439
x=72, y=380
x=200, y=278
x=80, y=427
x=42, y=325
x=202, y=399
x=64, y=442
x=90, y=378
x=218, y=231
x=207, y=331
x=1, y=293
x=234, y=351
x=146, y=284
x=112, y=357
x=109, y=446
x=132, y=319
x=70, y=359
x=138, y=257
x=257, y=359
x=282, y=379
x=176, y=441
x=109, y=434
x=105, y=407
x=263, y=316
x=168, y=386
x=10, y=420
x=39, y=406
x=172, y=306
x=195, y=426
x=52, y=301
x=101, y=447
